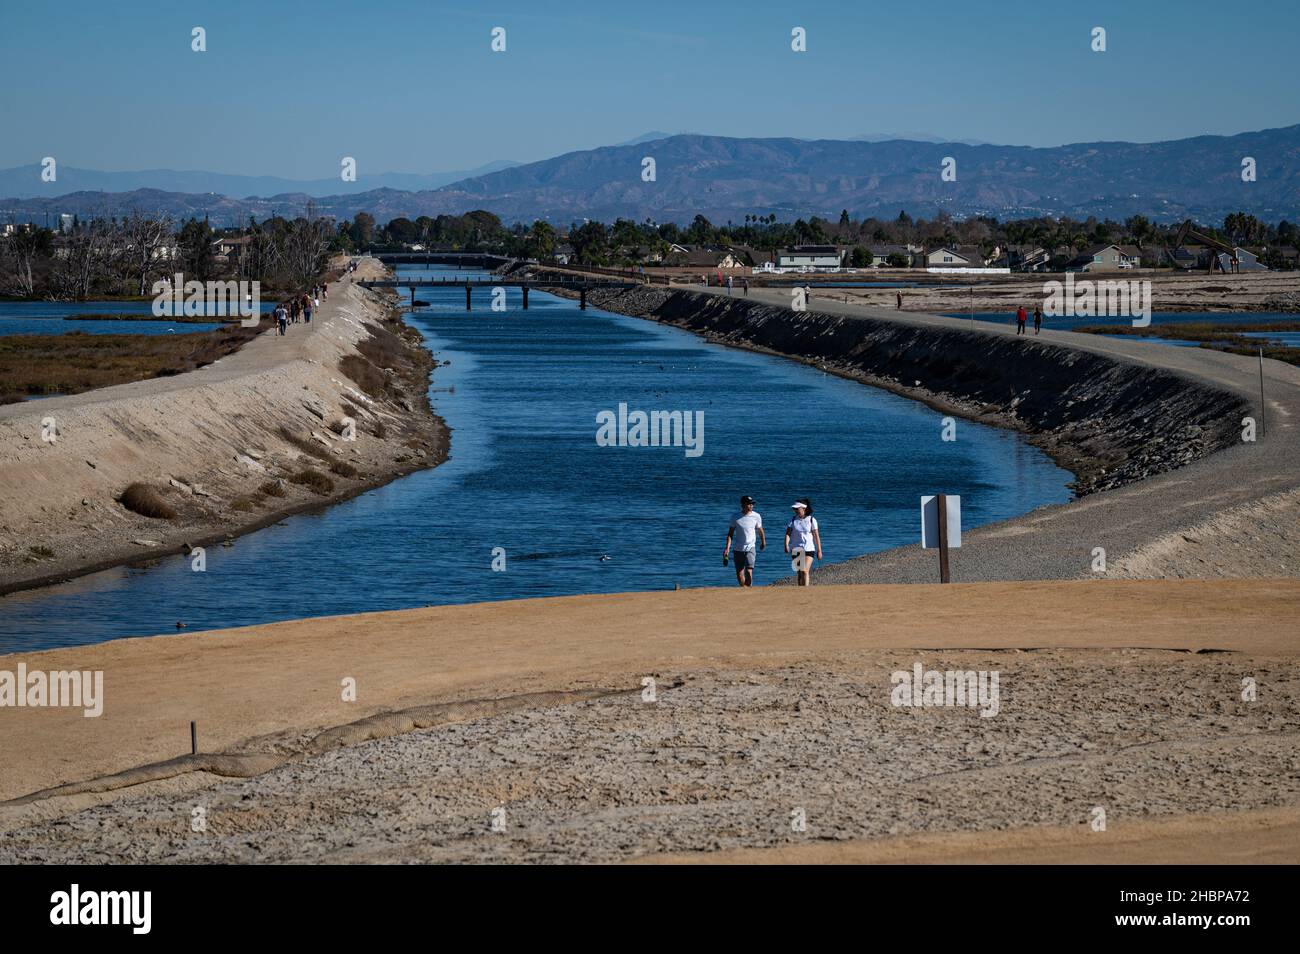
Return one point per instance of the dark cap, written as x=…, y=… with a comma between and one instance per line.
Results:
x=747, y=499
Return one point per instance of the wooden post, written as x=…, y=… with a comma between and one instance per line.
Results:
x=582, y=303
x=412, y=296
x=942, y=501
x=525, y=297
x=1261, y=390
x=467, y=289
x=194, y=739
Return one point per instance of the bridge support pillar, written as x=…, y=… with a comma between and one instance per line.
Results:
x=467, y=291
x=525, y=298
x=582, y=302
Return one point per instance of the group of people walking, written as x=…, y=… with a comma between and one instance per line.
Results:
x=1022, y=316
x=745, y=538
x=300, y=307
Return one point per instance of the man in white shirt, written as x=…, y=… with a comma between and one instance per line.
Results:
x=746, y=526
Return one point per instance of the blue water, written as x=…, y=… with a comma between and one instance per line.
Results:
x=1289, y=338
x=521, y=395
x=51, y=318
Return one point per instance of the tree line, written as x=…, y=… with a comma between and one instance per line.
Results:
x=627, y=243
x=111, y=257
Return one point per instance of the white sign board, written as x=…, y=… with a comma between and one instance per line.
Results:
x=930, y=521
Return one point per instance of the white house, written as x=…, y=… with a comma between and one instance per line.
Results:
x=809, y=256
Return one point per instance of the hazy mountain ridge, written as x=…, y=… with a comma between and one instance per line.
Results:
x=726, y=178
x=24, y=182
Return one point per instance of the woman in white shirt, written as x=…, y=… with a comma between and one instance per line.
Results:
x=803, y=537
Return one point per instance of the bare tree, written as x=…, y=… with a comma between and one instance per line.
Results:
x=144, y=241
x=24, y=247
x=89, y=251
x=304, y=248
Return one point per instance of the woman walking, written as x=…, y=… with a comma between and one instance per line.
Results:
x=803, y=540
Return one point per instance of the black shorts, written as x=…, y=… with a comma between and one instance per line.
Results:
x=744, y=559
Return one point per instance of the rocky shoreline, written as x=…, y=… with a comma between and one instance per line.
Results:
x=228, y=449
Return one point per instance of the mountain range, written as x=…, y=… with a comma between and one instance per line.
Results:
x=726, y=178
x=24, y=182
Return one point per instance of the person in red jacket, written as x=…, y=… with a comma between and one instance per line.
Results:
x=1021, y=316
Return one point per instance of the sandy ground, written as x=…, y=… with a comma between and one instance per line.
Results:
x=1248, y=291
x=208, y=439
x=1123, y=696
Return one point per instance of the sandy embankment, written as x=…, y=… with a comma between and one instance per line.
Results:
x=1124, y=695
x=210, y=440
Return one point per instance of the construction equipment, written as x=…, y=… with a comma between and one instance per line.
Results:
x=1188, y=231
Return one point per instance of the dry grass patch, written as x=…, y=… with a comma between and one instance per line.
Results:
x=314, y=481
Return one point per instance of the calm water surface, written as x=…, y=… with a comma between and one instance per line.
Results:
x=521, y=396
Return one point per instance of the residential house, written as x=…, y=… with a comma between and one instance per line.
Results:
x=1247, y=261
x=880, y=255
x=1026, y=258
x=963, y=257
x=758, y=258
x=1106, y=258
x=704, y=256
x=809, y=256
x=231, y=248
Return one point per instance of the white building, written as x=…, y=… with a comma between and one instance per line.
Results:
x=809, y=256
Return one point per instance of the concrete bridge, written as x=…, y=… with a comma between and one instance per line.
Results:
x=583, y=285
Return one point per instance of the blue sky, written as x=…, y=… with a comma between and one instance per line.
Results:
x=288, y=87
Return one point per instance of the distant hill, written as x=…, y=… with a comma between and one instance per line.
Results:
x=728, y=178
x=24, y=182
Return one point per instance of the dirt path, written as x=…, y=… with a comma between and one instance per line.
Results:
x=1121, y=694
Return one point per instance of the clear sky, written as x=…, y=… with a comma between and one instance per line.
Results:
x=288, y=87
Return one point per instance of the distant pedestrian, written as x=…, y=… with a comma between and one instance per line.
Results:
x=746, y=526
x=306, y=309
x=899, y=305
x=744, y=282
x=293, y=311
x=803, y=540
x=325, y=291
x=1021, y=317
x=1038, y=318
x=281, y=317
x=728, y=284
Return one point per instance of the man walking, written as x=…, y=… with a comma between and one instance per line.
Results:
x=1021, y=317
x=1038, y=318
x=281, y=317
x=745, y=527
